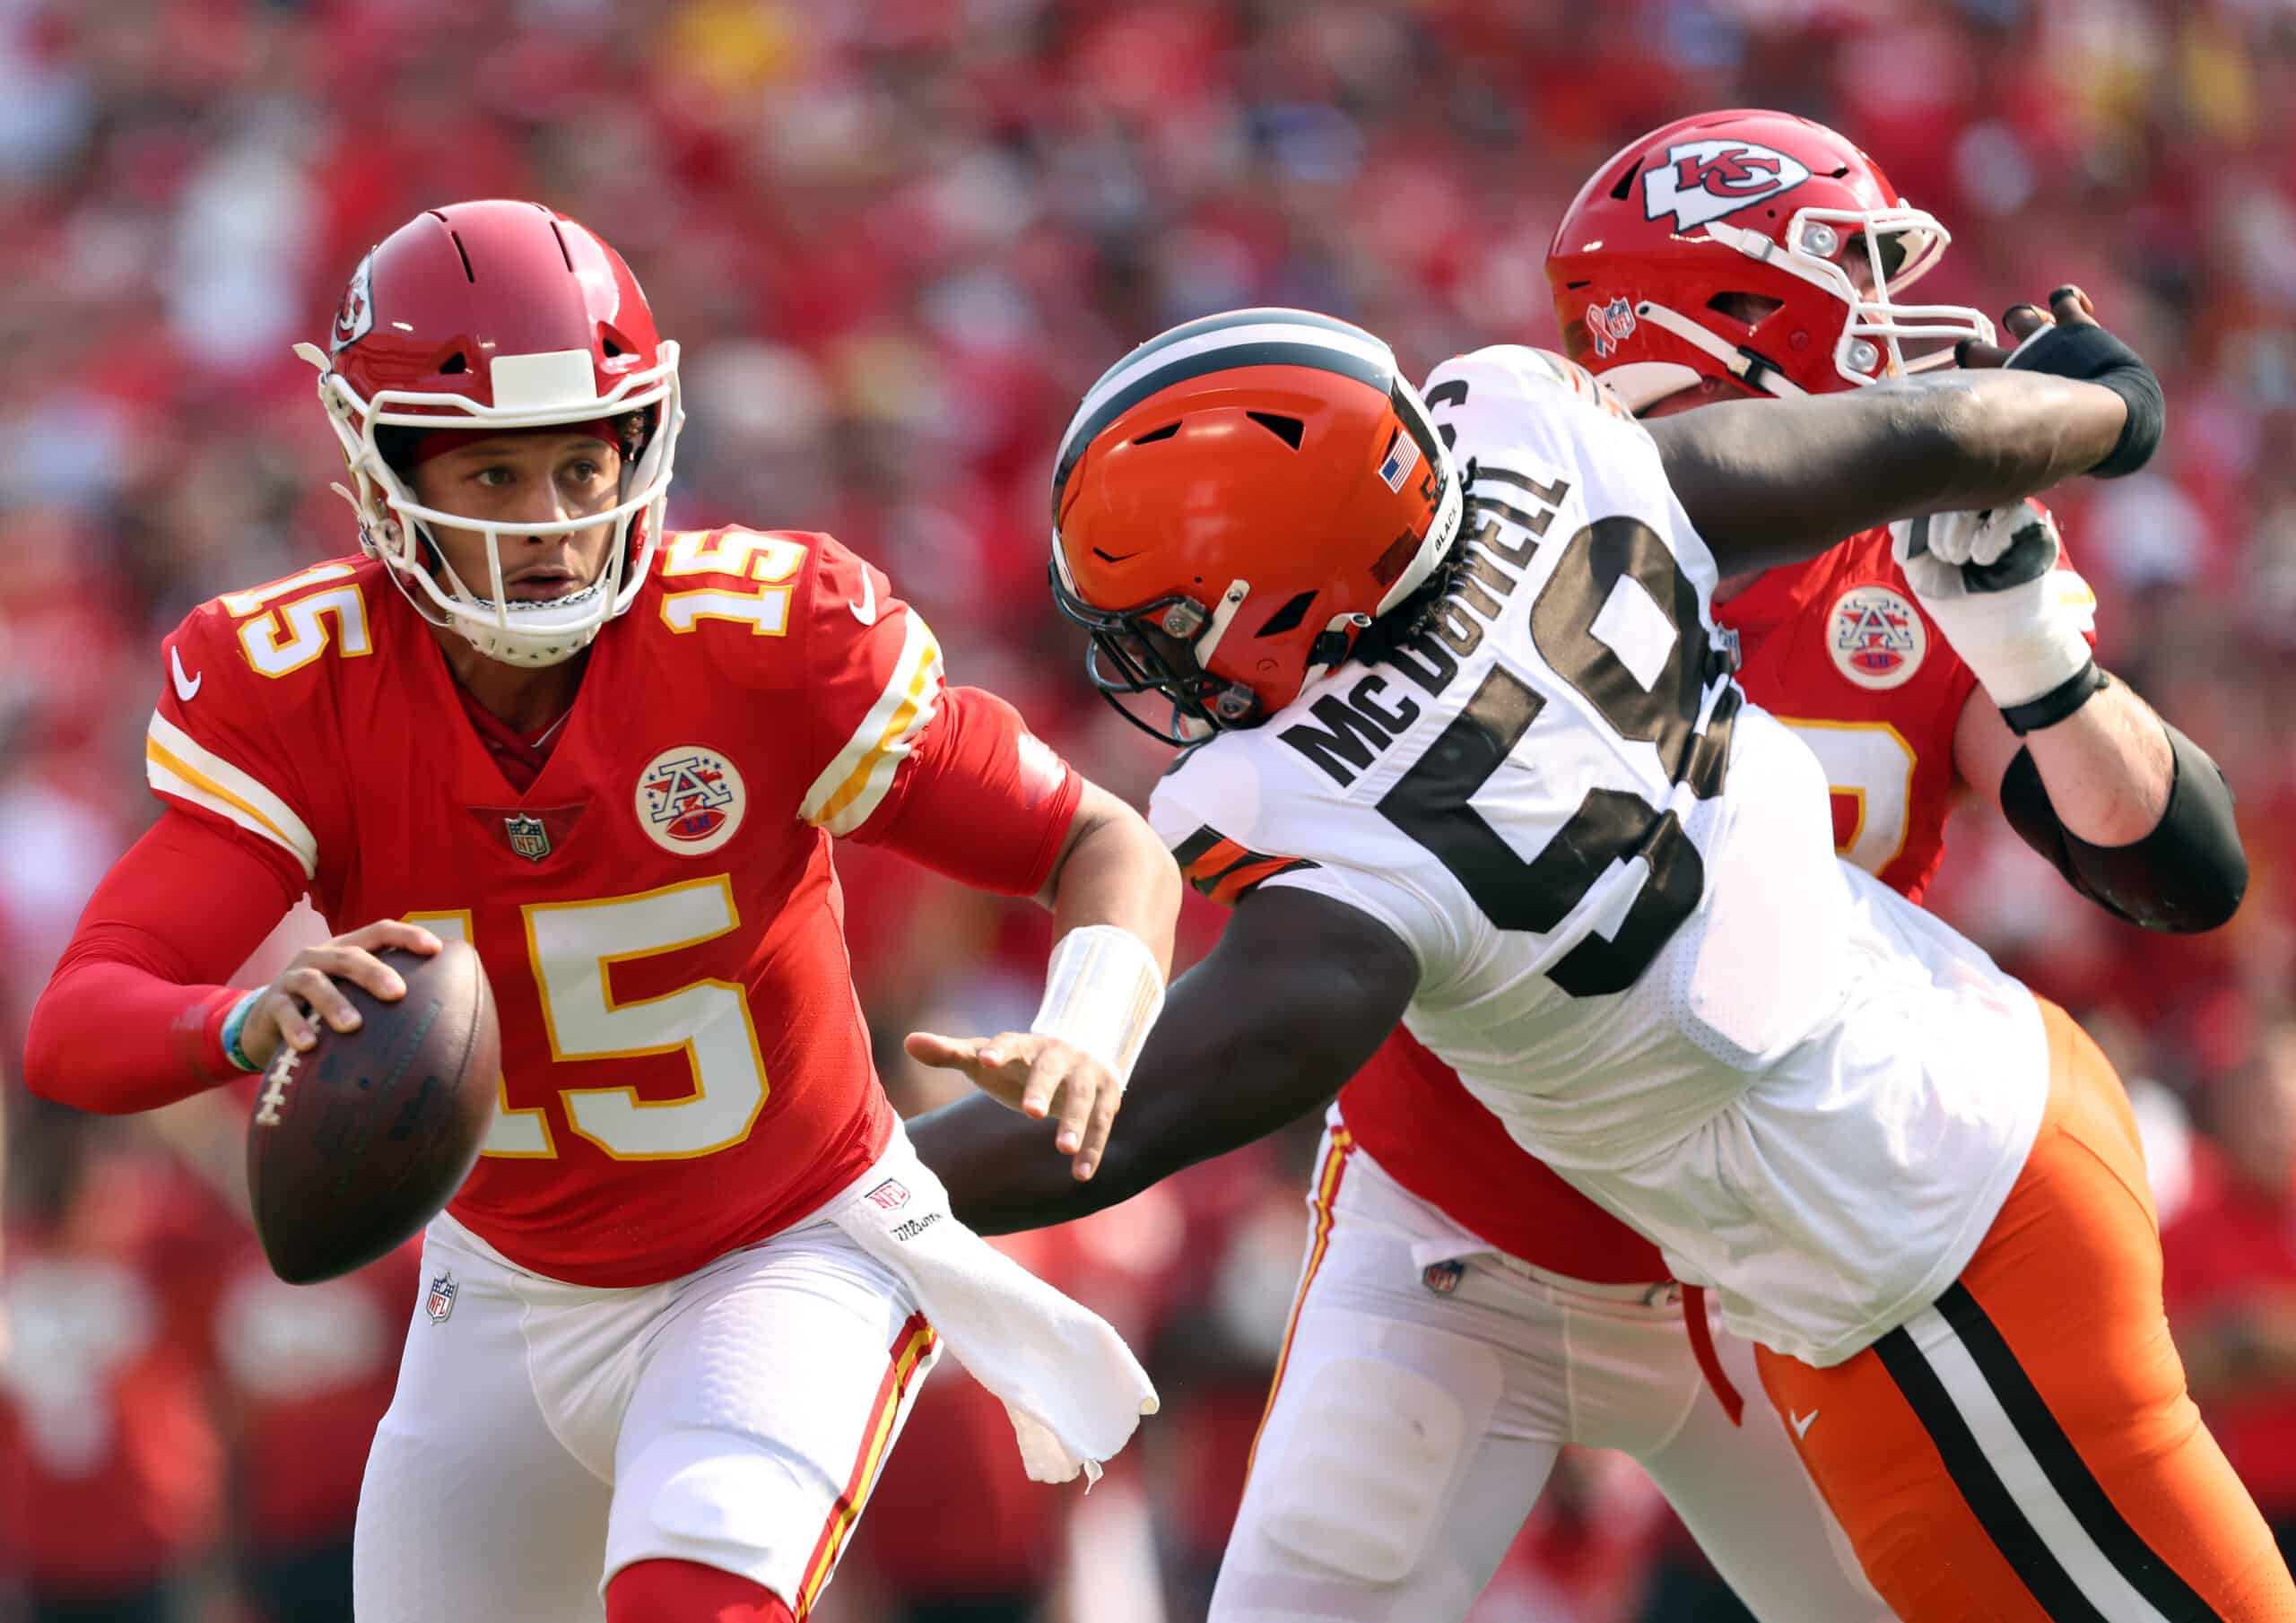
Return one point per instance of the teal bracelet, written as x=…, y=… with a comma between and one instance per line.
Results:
x=232, y=1023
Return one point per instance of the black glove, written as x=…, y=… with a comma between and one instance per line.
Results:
x=2092, y=355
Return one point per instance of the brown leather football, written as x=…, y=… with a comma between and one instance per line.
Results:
x=359, y=1143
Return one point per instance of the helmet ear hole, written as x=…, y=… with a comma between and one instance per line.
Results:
x=1289, y=616
x=1748, y=307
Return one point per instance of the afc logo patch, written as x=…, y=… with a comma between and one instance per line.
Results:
x=1876, y=636
x=439, y=1301
x=891, y=1196
x=1703, y=180
x=690, y=800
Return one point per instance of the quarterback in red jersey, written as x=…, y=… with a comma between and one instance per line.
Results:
x=670, y=1325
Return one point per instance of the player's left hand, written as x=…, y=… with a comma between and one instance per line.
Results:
x=2068, y=305
x=1991, y=582
x=1037, y=1076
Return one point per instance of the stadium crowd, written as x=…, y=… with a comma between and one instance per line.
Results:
x=896, y=239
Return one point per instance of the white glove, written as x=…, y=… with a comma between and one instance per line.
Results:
x=1990, y=581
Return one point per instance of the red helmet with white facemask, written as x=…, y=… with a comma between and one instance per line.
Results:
x=500, y=316
x=1748, y=245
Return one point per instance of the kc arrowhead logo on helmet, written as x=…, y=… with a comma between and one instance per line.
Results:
x=356, y=317
x=1703, y=180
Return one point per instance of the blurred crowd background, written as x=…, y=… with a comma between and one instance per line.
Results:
x=897, y=238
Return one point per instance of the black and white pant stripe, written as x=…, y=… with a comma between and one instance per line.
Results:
x=2021, y=1477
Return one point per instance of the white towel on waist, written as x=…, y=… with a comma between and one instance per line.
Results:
x=1072, y=1387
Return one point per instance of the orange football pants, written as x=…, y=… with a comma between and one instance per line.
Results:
x=2024, y=1451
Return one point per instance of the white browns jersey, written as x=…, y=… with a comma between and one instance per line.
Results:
x=1635, y=942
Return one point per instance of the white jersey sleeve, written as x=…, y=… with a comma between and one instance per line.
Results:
x=1236, y=819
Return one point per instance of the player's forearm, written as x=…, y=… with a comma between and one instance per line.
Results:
x=1300, y=992
x=133, y=1017
x=108, y=1037
x=1114, y=870
x=2182, y=872
x=1205, y=1084
x=2108, y=767
x=1769, y=482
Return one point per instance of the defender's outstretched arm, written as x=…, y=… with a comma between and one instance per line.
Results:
x=1301, y=991
x=1776, y=481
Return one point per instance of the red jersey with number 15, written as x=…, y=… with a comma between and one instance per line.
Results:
x=685, y=1067
x=1837, y=648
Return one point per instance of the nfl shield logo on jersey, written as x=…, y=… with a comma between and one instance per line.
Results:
x=440, y=1301
x=1876, y=636
x=528, y=837
x=690, y=800
x=891, y=1196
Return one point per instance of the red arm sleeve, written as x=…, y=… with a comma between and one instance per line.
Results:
x=133, y=1017
x=980, y=798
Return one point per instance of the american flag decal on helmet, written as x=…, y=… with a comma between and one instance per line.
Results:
x=1403, y=457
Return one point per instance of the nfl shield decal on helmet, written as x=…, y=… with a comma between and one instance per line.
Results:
x=528, y=837
x=1876, y=636
x=690, y=800
x=1611, y=325
x=439, y=1301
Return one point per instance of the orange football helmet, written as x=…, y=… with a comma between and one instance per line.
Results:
x=1234, y=502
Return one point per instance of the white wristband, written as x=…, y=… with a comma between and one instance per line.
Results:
x=1102, y=992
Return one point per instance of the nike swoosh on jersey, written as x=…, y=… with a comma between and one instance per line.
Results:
x=865, y=611
x=1801, y=1421
x=186, y=687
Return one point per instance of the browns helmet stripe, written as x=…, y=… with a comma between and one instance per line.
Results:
x=1242, y=338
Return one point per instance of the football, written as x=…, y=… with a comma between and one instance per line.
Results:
x=357, y=1143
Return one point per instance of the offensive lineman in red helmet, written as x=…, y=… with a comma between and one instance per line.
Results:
x=673, y=1320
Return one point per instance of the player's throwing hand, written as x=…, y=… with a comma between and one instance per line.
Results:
x=1037, y=1076
x=305, y=990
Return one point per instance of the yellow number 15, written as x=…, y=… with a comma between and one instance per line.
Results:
x=572, y=947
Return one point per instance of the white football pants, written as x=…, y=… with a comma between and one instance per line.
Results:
x=544, y=1436
x=1412, y=1430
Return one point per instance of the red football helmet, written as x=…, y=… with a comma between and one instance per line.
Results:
x=1254, y=488
x=500, y=315
x=1748, y=245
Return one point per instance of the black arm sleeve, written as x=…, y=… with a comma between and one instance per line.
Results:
x=2185, y=876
